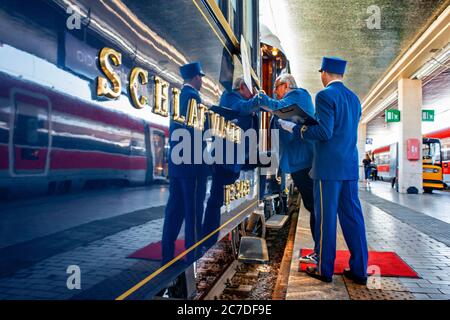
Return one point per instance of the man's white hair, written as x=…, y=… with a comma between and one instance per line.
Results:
x=287, y=78
x=238, y=82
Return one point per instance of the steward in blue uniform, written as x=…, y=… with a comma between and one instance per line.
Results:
x=240, y=108
x=335, y=174
x=295, y=154
x=187, y=185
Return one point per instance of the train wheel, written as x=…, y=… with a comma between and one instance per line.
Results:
x=428, y=190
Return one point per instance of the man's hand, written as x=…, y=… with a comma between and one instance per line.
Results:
x=287, y=125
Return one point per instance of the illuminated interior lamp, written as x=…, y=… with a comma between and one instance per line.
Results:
x=274, y=52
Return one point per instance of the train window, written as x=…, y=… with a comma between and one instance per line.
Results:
x=431, y=153
x=159, y=153
x=241, y=16
x=384, y=158
x=250, y=29
x=31, y=134
x=445, y=149
x=248, y=22
x=229, y=10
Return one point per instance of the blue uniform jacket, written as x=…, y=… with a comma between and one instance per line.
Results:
x=186, y=170
x=295, y=154
x=244, y=118
x=338, y=110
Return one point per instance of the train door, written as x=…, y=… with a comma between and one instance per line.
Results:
x=148, y=152
x=393, y=164
x=31, y=139
x=156, y=150
x=159, y=153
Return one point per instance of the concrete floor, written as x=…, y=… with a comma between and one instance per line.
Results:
x=417, y=246
x=436, y=205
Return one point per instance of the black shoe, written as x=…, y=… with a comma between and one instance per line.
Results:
x=349, y=275
x=313, y=272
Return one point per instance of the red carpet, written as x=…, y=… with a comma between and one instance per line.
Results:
x=154, y=252
x=390, y=264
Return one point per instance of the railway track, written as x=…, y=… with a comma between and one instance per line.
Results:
x=219, y=276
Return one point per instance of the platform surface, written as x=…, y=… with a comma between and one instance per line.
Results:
x=394, y=222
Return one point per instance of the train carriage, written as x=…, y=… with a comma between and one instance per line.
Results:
x=67, y=126
x=444, y=136
x=435, y=161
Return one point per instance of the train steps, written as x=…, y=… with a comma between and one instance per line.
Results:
x=253, y=250
x=276, y=222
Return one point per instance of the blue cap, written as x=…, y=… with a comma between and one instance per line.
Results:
x=333, y=65
x=190, y=70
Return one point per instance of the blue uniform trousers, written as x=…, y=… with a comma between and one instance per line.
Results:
x=333, y=198
x=221, y=177
x=305, y=186
x=186, y=203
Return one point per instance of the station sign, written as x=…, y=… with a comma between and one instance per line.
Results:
x=392, y=116
x=428, y=115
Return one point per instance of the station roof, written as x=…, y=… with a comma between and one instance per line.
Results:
x=311, y=29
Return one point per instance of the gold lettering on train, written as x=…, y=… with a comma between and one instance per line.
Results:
x=229, y=131
x=111, y=87
x=138, y=76
x=237, y=134
x=202, y=110
x=214, y=122
x=235, y=191
x=161, y=102
x=108, y=55
x=176, y=106
x=192, y=117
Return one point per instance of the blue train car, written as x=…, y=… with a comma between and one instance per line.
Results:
x=80, y=155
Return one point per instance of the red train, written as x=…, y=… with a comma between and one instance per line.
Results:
x=51, y=142
x=444, y=136
x=436, y=150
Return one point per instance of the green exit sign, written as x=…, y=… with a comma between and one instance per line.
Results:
x=428, y=115
x=392, y=115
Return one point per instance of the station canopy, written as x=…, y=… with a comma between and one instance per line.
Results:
x=311, y=29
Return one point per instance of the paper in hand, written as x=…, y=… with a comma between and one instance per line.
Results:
x=296, y=114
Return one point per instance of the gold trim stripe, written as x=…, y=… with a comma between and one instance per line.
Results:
x=223, y=22
x=141, y=283
x=212, y=27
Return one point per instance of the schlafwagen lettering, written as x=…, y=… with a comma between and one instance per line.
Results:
x=237, y=190
x=111, y=87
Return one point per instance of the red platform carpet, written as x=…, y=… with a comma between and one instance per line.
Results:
x=390, y=264
x=154, y=252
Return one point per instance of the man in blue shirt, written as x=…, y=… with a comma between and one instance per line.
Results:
x=241, y=107
x=188, y=180
x=335, y=173
x=295, y=154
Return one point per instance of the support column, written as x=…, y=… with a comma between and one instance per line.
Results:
x=362, y=135
x=410, y=127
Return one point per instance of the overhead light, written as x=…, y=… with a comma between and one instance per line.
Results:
x=274, y=52
x=380, y=108
x=433, y=64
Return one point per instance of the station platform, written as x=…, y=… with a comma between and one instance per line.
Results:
x=415, y=227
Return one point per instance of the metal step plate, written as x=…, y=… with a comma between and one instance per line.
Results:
x=271, y=197
x=277, y=221
x=253, y=250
